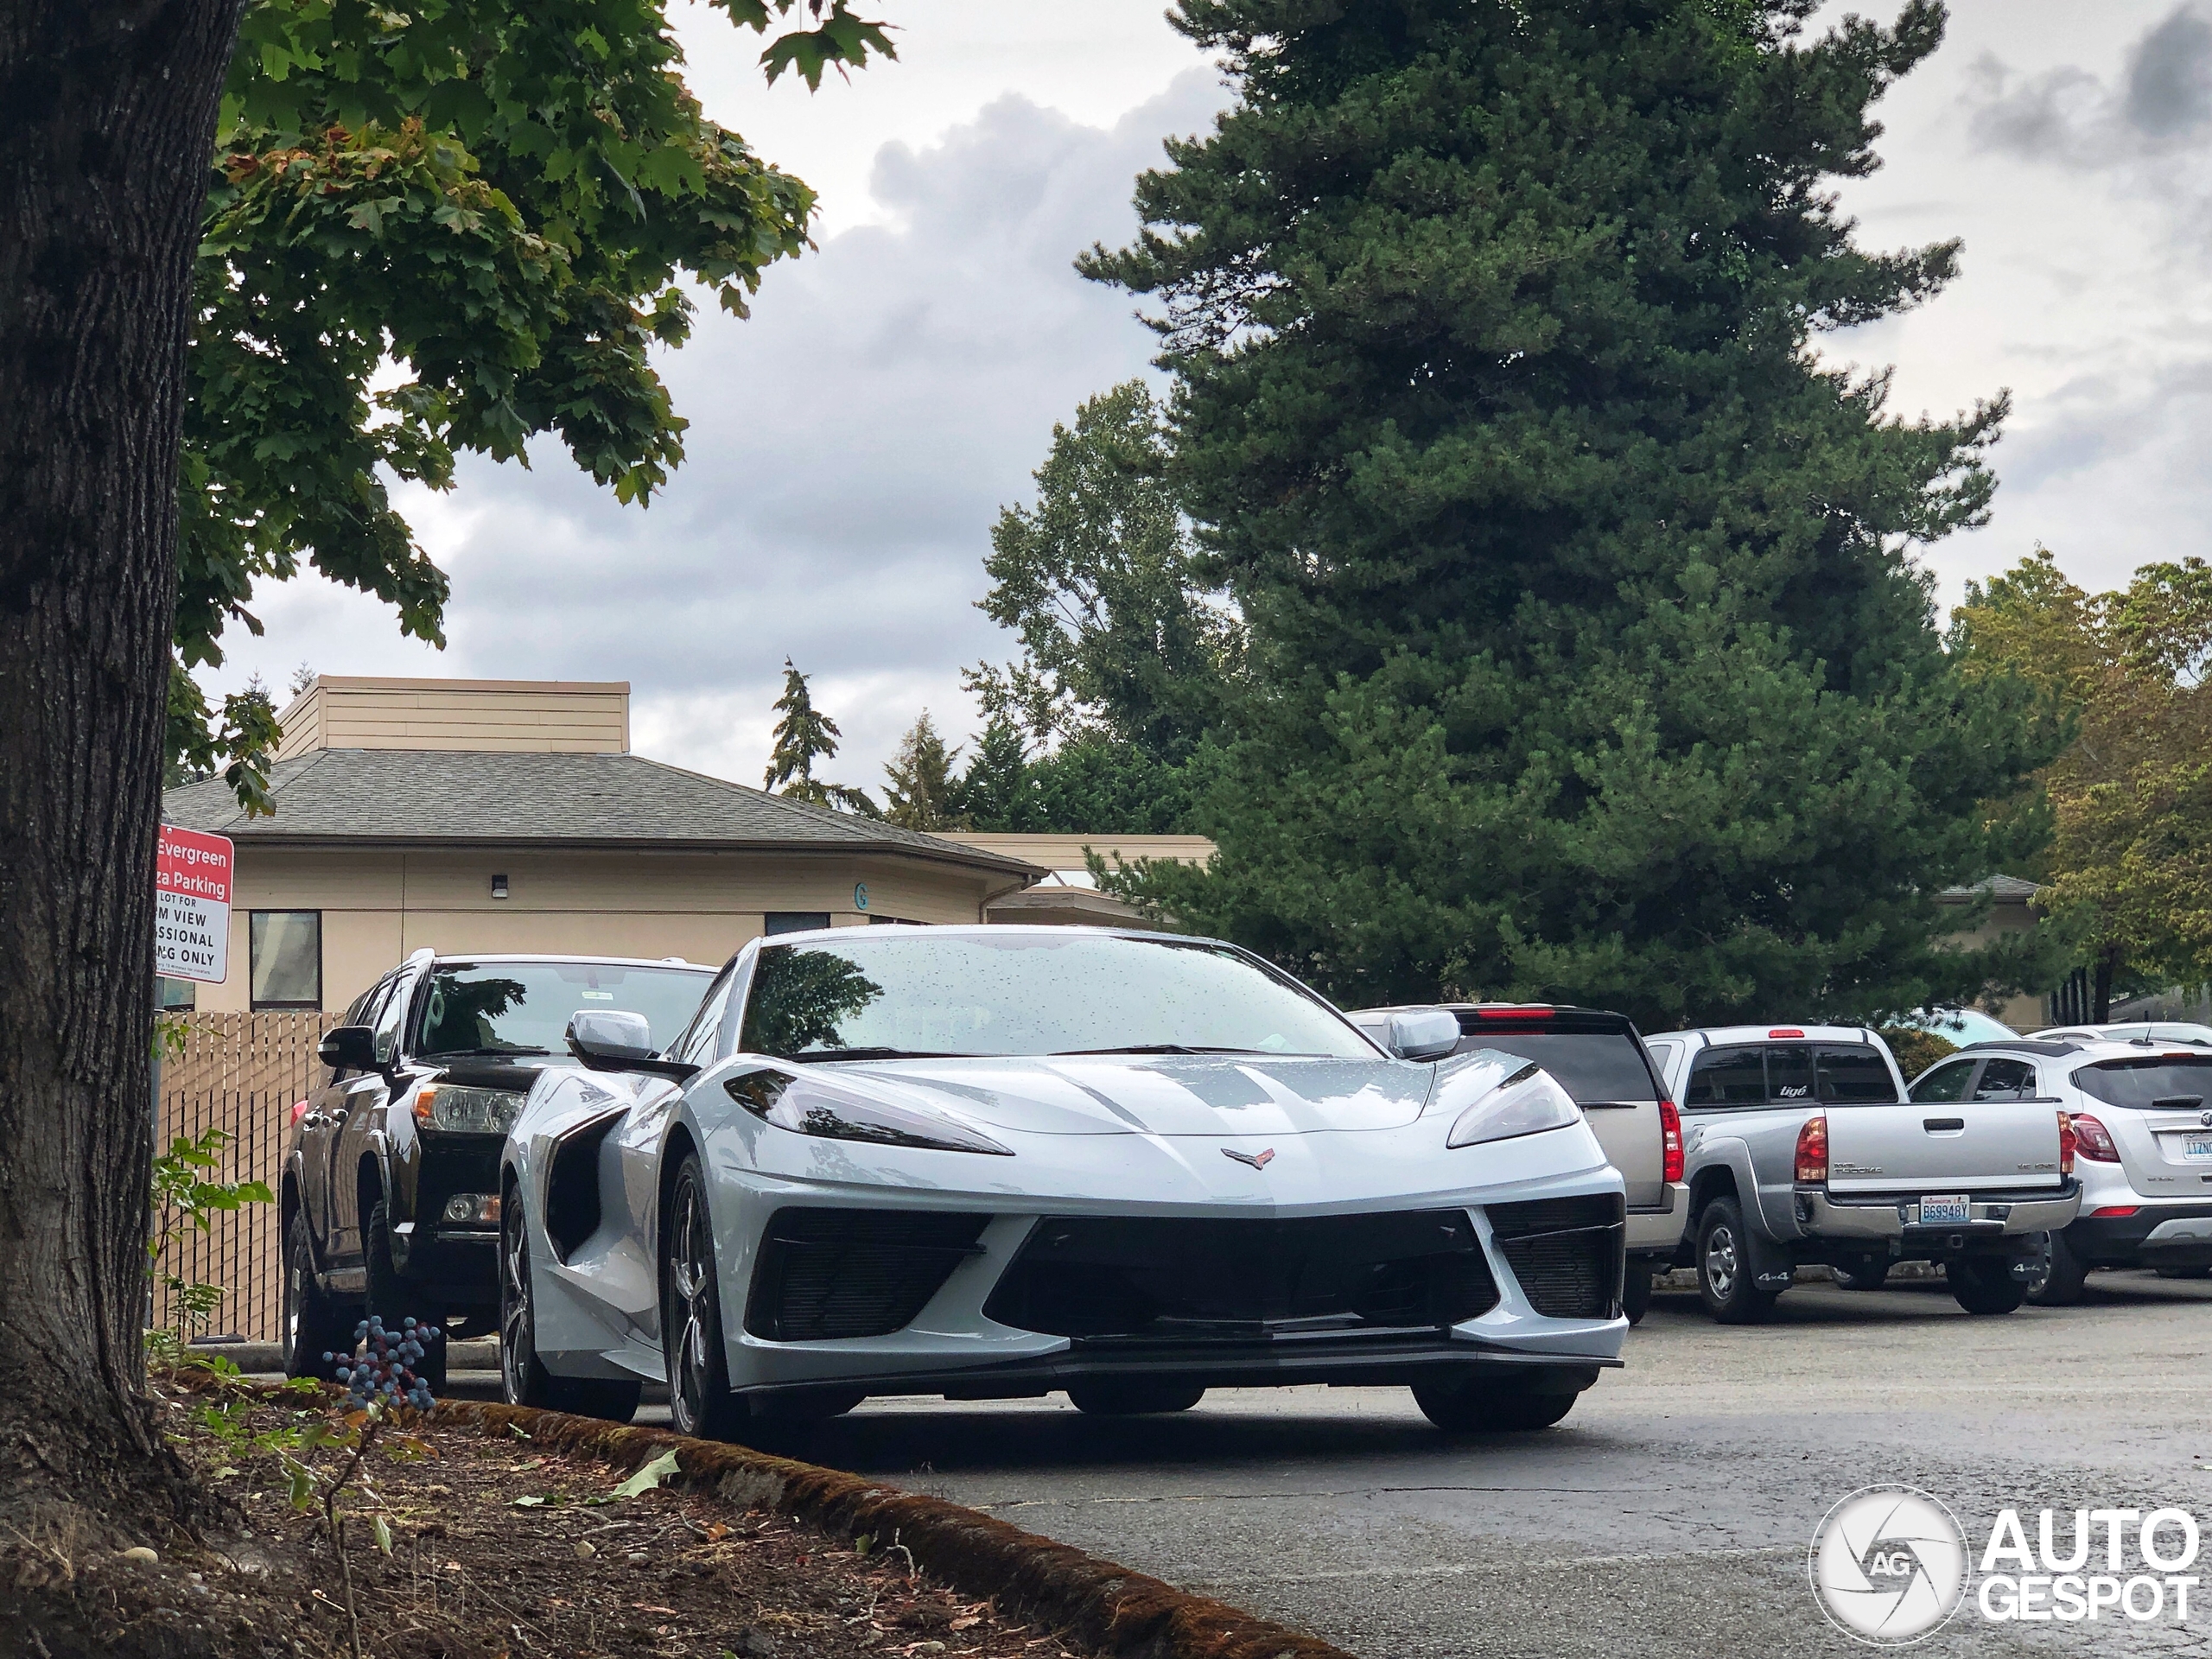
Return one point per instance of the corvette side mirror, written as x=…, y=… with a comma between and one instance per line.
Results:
x=610, y=1040
x=1422, y=1034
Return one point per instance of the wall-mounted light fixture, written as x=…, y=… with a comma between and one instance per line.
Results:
x=499, y=887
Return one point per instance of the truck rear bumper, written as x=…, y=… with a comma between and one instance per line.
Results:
x=1820, y=1217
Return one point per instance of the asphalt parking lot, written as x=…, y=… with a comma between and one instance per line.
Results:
x=1669, y=1514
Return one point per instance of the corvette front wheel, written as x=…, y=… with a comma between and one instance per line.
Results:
x=699, y=1400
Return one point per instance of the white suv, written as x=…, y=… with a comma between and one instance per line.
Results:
x=2141, y=1113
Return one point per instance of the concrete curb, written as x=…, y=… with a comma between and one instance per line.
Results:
x=1115, y=1612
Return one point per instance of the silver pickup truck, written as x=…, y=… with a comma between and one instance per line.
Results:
x=1800, y=1146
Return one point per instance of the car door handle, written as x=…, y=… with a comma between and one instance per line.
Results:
x=1942, y=1125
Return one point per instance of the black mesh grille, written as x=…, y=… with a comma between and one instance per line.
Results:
x=1242, y=1281
x=852, y=1273
x=1566, y=1252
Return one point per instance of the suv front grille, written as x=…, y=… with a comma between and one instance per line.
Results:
x=824, y=1273
x=1213, y=1280
x=1566, y=1252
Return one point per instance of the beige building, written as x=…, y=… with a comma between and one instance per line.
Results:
x=1069, y=893
x=490, y=815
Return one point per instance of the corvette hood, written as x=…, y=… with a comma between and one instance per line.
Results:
x=1172, y=1095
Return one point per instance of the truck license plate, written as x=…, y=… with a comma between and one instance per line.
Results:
x=2197, y=1145
x=1943, y=1212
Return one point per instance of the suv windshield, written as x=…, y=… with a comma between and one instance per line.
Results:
x=2171, y=1081
x=1590, y=1065
x=523, y=1007
x=899, y=991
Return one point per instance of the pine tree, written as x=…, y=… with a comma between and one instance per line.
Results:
x=803, y=736
x=996, y=792
x=1587, y=656
x=920, y=791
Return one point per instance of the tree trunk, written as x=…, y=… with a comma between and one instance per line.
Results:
x=2107, y=962
x=107, y=119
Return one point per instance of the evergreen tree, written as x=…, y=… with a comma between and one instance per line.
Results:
x=920, y=791
x=996, y=792
x=1099, y=577
x=803, y=736
x=1588, y=659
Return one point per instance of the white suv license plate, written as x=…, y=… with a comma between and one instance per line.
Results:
x=2196, y=1146
x=1943, y=1212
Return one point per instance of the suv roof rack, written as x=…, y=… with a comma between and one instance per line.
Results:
x=2030, y=1045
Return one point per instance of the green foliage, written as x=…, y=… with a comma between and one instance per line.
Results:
x=1121, y=634
x=805, y=734
x=492, y=212
x=1916, y=1050
x=2122, y=674
x=184, y=1197
x=920, y=790
x=1585, y=659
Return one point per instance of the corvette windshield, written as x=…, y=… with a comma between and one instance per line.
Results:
x=491, y=1008
x=907, y=992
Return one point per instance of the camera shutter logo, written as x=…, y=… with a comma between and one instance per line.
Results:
x=1889, y=1565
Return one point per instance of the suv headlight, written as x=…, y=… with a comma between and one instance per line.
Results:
x=462, y=1109
x=1528, y=1102
x=768, y=1096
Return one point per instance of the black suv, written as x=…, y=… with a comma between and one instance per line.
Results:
x=390, y=1189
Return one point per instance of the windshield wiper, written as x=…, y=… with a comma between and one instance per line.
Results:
x=481, y=1054
x=813, y=1054
x=1151, y=1048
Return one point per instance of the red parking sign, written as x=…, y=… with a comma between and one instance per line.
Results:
x=192, y=905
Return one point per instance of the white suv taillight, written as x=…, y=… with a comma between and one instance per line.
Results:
x=2092, y=1141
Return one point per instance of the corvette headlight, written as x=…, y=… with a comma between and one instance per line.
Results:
x=807, y=1109
x=1528, y=1102
x=464, y=1109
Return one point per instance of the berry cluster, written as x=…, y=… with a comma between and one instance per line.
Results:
x=382, y=1366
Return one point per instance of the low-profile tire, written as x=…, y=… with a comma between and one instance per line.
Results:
x=2184, y=1273
x=1726, y=1266
x=314, y=1323
x=1983, y=1285
x=1636, y=1290
x=2064, y=1274
x=1123, y=1397
x=389, y=1295
x=1869, y=1273
x=1471, y=1406
x=700, y=1403
x=524, y=1380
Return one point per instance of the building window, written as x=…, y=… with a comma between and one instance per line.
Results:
x=286, y=946
x=795, y=921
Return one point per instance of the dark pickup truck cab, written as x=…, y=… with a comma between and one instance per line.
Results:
x=390, y=1197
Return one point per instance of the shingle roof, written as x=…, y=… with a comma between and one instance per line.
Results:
x=412, y=795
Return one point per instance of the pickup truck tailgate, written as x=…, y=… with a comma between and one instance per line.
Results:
x=1956, y=1145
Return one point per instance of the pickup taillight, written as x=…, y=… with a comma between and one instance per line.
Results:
x=1813, y=1151
x=2092, y=1141
x=1670, y=1142
x=299, y=1111
x=2065, y=1144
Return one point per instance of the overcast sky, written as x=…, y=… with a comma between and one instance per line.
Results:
x=851, y=445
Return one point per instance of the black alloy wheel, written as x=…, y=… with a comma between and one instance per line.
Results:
x=524, y=1380
x=1114, y=1396
x=700, y=1403
x=315, y=1324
